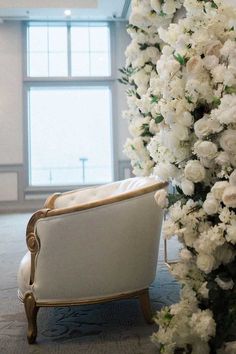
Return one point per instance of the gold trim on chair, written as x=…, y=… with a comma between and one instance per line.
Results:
x=32, y=306
x=32, y=240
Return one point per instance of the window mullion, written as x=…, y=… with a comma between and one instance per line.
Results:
x=69, y=48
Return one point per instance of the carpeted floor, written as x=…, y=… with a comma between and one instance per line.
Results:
x=113, y=328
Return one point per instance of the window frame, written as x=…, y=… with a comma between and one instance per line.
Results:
x=69, y=81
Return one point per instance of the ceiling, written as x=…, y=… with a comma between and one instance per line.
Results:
x=115, y=10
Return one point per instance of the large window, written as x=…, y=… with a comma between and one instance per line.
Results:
x=69, y=104
x=68, y=50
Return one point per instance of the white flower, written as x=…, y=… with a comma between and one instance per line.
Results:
x=185, y=119
x=223, y=159
x=185, y=255
x=229, y=196
x=205, y=126
x=211, y=205
x=225, y=215
x=205, y=149
x=165, y=171
x=232, y=178
x=187, y=187
x=225, y=285
x=228, y=48
x=210, y=62
x=204, y=291
x=194, y=65
x=203, y=324
x=161, y=198
x=231, y=232
x=194, y=171
x=169, y=7
x=156, y=5
x=205, y=262
x=228, y=141
x=180, y=132
x=218, y=189
x=226, y=112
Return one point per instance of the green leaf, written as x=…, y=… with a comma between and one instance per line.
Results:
x=230, y=89
x=157, y=45
x=143, y=46
x=216, y=102
x=159, y=118
x=154, y=99
x=168, y=316
x=173, y=198
x=213, y=5
x=189, y=99
x=146, y=131
x=180, y=58
x=162, y=13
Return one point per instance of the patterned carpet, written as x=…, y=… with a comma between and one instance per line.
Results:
x=113, y=328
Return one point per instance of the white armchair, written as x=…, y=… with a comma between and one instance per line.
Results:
x=92, y=245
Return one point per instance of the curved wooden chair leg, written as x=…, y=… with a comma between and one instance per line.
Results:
x=146, y=306
x=31, y=311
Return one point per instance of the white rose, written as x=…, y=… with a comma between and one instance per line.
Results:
x=205, y=262
x=169, y=7
x=232, y=178
x=194, y=171
x=187, y=187
x=226, y=112
x=180, y=132
x=205, y=126
x=165, y=171
x=161, y=198
x=205, y=149
x=228, y=141
x=225, y=285
x=218, y=189
x=185, y=119
x=229, y=196
x=223, y=159
x=211, y=205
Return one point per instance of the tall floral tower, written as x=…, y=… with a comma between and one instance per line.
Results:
x=181, y=91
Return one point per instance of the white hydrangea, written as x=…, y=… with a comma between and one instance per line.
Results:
x=203, y=324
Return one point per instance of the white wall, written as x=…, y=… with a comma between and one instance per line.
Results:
x=13, y=186
x=11, y=147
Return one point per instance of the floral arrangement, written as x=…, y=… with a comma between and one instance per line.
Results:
x=181, y=77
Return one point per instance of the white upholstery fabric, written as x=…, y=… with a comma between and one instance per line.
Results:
x=97, y=252
x=93, y=194
x=23, y=276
